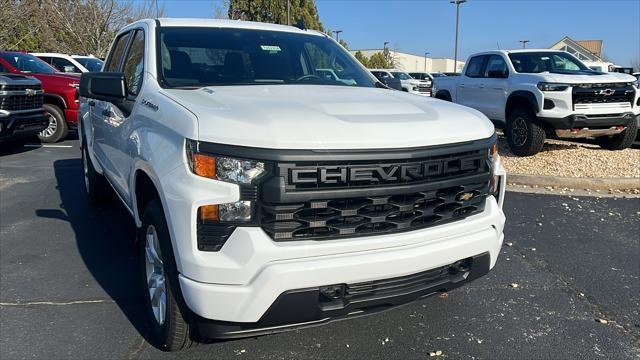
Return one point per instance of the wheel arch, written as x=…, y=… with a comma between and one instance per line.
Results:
x=56, y=100
x=521, y=98
x=443, y=95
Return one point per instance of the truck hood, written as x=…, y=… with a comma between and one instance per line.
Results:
x=327, y=117
x=594, y=78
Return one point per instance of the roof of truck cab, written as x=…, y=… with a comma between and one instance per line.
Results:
x=233, y=24
x=515, y=51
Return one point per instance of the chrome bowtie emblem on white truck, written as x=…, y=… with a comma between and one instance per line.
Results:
x=606, y=92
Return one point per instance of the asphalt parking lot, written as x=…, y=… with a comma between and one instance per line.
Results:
x=68, y=283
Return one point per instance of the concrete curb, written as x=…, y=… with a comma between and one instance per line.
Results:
x=575, y=183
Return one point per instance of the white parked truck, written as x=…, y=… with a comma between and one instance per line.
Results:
x=268, y=196
x=409, y=84
x=546, y=93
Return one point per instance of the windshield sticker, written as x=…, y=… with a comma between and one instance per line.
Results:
x=271, y=48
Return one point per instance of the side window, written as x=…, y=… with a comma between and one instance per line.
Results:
x=134, y=63
x=474, y=69
x=496, y=63
x=64, y=64
x=113, y=62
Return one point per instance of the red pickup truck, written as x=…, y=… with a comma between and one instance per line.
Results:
x=60, y=92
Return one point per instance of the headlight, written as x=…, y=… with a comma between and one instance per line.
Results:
x=545, y=86
x=237, y=171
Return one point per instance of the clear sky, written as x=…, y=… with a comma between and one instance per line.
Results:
x=416, y=26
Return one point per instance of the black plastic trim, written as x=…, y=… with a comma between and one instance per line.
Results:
x=23, y=125
x=588, y=121
x=302, y=308
x=529, y=96
x=283, y=155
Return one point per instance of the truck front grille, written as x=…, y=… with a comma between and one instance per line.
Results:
x=602, y=94
x=21, y=102
x=350, y=217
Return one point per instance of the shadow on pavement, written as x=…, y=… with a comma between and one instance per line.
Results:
x=105, y=240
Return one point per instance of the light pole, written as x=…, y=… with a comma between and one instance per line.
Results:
x=455, y=56
x=289, y=12
x=524, y=43
x=425, y=60
x=338, y=35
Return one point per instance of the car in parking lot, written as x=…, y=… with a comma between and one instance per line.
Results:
x=266, y=197
x=409, y=84
x=547, y=93
x=387, y=79
x=71, y=63
x=60, y=92
x=21, y=112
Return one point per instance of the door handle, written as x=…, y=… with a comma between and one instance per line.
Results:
x=460, y=85
x=91, y=103
x=481, y=86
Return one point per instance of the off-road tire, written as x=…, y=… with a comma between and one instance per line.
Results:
x=176, y=332
x=56, y=121
x=620, y=141
x=524, y=135
x=96, y=186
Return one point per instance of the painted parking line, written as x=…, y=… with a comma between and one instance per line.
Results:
x=48, y=146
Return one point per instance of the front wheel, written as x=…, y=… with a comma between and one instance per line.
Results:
x=57, y=129
x=619, y=141
x=524, y=136
x=167, y=313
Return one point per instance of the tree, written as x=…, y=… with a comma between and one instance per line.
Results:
x=363, y=59
x=71, y=26
x=275, y=11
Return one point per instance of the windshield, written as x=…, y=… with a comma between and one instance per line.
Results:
x=27, y=63
x=555, y=62
x=92, y=64
x=438, y=75
x=196, y=57
x=401, y=75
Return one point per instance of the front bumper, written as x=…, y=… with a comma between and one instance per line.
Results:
x=589, y=121
x=22, y=125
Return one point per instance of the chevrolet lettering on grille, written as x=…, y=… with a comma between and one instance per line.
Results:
x=407, y=172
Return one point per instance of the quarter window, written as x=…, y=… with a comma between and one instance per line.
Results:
x=134, y=64
x=474, y=69
x=113, y=63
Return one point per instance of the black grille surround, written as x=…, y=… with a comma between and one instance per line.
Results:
x=603, y=93
x=326, y=195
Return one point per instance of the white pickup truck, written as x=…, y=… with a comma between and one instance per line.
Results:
x=546, y=93
x=408, y=83
x=268, y=196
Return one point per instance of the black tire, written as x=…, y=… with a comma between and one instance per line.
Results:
x=57, y=129
x=443, y=95
x=524, y=136
x=175, y=331
x=96, y=186
x=620, y=141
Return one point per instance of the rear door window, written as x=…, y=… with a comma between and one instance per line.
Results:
x=474, y=69
x=63, y=64
x=134, y=63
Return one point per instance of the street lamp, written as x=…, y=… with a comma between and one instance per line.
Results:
x=455, y=56
x=384, y=47
x=425, y=60
x=524, y=43
x=337, y=35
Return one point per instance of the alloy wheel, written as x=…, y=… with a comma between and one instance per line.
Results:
x=519, y=131
x=156, y=279
x=51, y=129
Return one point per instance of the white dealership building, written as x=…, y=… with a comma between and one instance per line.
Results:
x=410, y=62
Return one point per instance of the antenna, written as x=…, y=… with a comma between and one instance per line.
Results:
x=497, y=43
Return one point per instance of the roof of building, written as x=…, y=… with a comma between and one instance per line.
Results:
x=594, y=46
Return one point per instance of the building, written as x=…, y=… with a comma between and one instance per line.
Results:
x=410, y=63
x=585, y=50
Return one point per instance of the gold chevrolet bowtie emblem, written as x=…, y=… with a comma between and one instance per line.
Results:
x=466, y=196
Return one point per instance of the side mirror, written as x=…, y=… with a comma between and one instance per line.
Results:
x=498, y=74
x=106, y=86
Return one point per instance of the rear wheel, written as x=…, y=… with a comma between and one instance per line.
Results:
x=524, y=136
x=620, y=141
x=57, y=129
x=167, y=313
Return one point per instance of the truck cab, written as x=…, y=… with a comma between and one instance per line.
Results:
x=536, y=94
